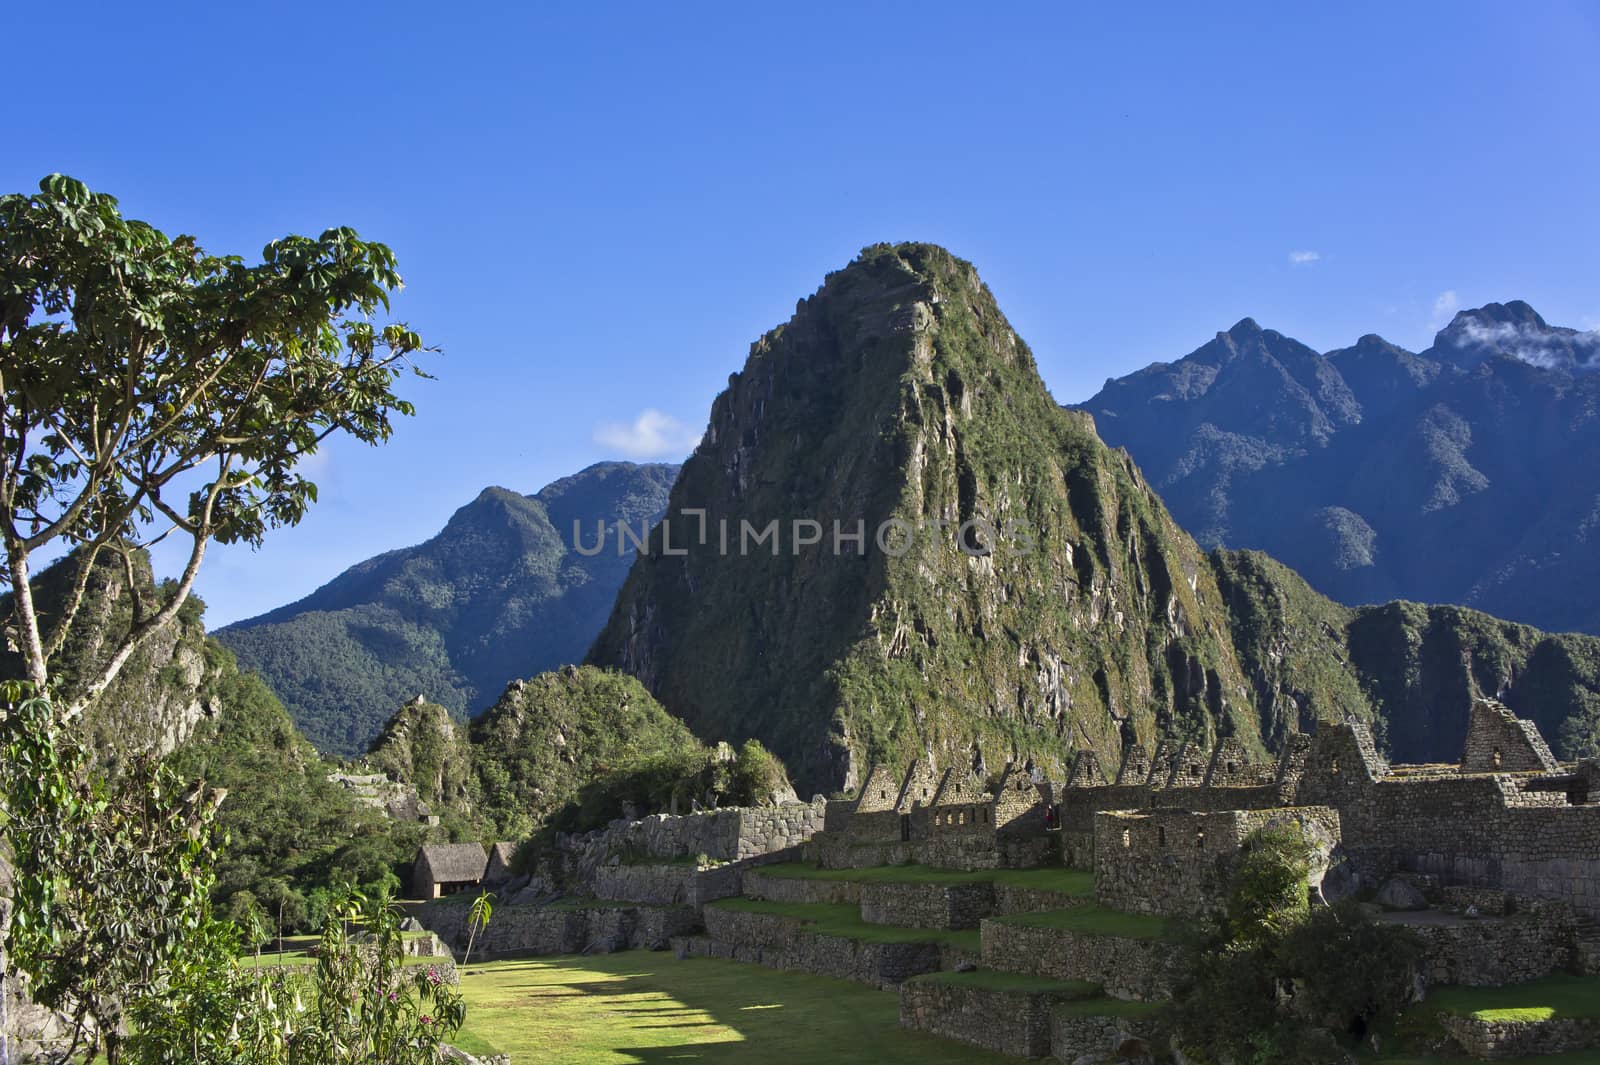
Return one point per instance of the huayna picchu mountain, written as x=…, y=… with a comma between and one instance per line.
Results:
x=1019, y=591
x=499, y=594
x=1468, y=473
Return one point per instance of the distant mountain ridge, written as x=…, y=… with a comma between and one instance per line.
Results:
x=498, y=594
x=1468, y=473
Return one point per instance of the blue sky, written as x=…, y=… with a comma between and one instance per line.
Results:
x=598, y=207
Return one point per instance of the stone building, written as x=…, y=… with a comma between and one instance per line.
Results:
x=498, y=870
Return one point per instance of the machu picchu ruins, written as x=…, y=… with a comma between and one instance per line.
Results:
x=1032, y=917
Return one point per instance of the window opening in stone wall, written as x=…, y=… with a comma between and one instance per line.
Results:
x=1127, y=837
x=1335, y=766
x=1498, y=758
x=963, y=817
x=1199, y=837
x=1161, y=837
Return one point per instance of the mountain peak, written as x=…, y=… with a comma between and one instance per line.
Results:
x=1244, y=328
x=1514, y=330
x=899, y=402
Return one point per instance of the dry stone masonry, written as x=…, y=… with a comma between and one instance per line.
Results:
x=1494, y=863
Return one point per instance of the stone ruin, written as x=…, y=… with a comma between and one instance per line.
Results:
x=1502, y=850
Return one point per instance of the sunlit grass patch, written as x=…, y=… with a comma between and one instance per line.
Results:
x=639, y=1007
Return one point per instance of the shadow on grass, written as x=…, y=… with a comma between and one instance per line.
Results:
x=650, y=1008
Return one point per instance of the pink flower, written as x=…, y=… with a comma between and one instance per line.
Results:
x=426, y=1019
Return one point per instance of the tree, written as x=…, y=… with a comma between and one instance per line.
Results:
x=112, y=877
x=153, y=390
x=477, y=921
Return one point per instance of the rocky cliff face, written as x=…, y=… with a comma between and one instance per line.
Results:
x=166, y=689
x=1031, y=595
x=502, y=592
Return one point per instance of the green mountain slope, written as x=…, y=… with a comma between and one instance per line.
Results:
x=292, y=834
x=166, y=688
x=500, y=593
x=899, y=392
x=569, y=747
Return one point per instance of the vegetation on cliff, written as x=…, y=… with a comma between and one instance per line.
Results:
x=1032, y=596
x=500, y=593
x=1414, y=668
x=570, y=749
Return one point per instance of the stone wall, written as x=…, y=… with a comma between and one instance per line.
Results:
x=1492, y=951
x=1074, y=1035
x=1486, y=830
x=781, y=942
x=730, y=835
x=1175, y=862
x=661, y=885
x=1006, y=1022
x=927, y=905
x=759, y=885
x=1497, y=1040
x=1126, y=968
x=1499, y=741
x=520, y=931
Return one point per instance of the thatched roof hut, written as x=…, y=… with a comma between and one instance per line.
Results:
x=446, y=868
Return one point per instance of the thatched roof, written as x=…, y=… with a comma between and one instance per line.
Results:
x=450, y=863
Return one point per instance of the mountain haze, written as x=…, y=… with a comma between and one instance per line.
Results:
x=498, y=594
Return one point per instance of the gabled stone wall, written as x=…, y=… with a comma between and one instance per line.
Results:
x=1500, y=742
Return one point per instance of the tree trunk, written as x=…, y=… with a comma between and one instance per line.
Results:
x=28, y=641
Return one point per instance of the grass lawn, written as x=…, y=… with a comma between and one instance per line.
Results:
x=644, y=1007
x=1077, y=882
x=1560, y=995
x=1574, y=1057
x=1094, y=919
x=845, y=920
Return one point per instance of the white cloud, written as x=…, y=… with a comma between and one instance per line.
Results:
x=1445, y=305
x=1546, y=348
x=1304, y=258
x=653, y=434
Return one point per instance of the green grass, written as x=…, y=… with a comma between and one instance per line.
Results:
x=1076, y=882
x=845, y=920
x=1094, y=919
x=991, y=980
x=1553, y=996
x=640, y=1008
x=1572, y=1057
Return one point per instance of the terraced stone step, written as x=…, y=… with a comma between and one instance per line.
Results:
x=1130, y=955
x=1029, y=1016
x=1558, y=1014
x=1003, y=1012
x=828, y=940
x=924, y=897
x=571, y=926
